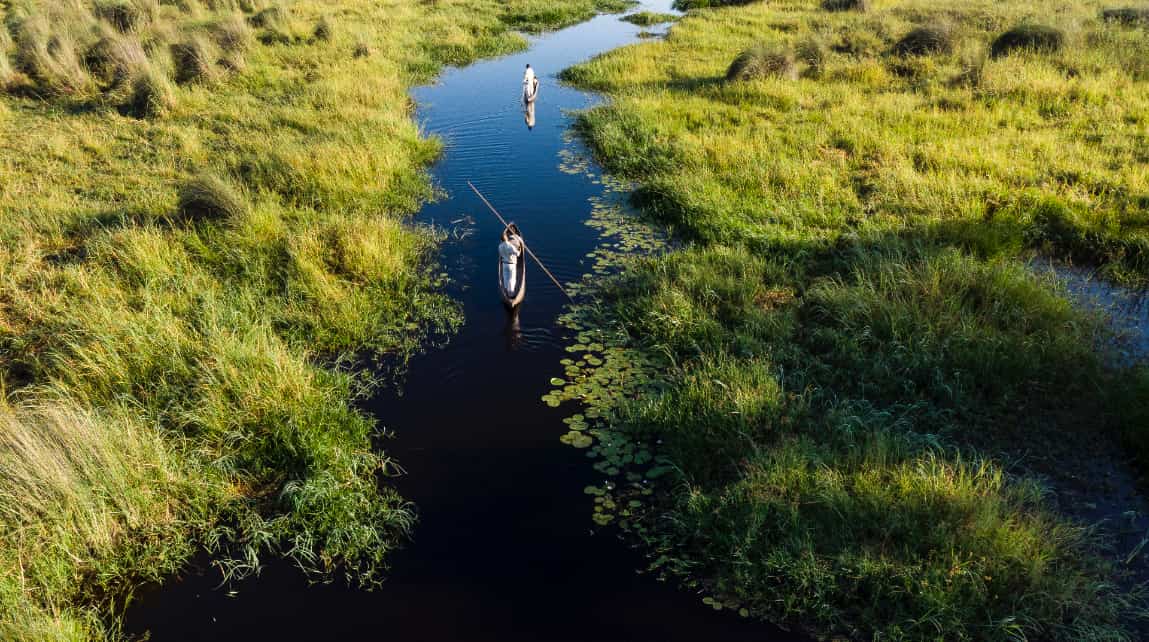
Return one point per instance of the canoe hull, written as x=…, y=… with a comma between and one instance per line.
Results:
x=530, y=93
x=513, y=299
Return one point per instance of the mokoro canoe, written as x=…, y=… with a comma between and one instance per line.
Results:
x=513, y=299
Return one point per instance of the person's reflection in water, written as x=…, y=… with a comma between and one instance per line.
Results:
x=529, y=115
x=513, y=331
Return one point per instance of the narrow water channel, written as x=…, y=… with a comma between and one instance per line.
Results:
x=504, y=548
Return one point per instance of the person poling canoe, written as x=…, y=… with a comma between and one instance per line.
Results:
x=512, y=267
x=530, y=85
x=509, y=230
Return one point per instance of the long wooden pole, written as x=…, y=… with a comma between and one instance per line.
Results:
x=505, y=224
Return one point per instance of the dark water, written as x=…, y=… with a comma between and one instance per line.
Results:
x=1125, y=310
x=503, y=549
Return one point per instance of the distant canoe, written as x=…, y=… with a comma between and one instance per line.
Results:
x=513, y=299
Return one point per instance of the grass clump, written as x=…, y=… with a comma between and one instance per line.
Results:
x=151, y=96
x=687, y=5
x=87, y=482
x=1127, y=15
x=759, y=62
x=324, y=30
x=126, y=15
x=115, y=60
x=1028, y=37
x=207, y=198
x=274, y=17
x=925, y=41
x=231, y=33
x=51, y=59
x=649, y=18
x=812, y=53
x=194, y=60
x=845, y=5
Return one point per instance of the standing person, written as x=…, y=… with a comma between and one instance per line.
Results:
x=530, y=83
x=510, y=251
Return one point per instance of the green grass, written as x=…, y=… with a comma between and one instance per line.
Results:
x=649, y=18
x=856, y=350
x=201, y=217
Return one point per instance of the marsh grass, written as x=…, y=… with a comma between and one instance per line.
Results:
x=193, y=332
x=856, y=347
x=208, y=197
x=324, y=30
x=114, y=60
x=194, y=60
x=845, y=5
x=924, y=41
x=151, y=96
x=1028, y=37
x=760, y=62
x=648, y=18
x=1127, y=15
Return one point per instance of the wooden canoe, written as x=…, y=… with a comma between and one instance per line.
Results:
x=513, y=299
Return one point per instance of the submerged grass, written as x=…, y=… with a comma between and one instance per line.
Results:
x=853, y=350
x=183, y=268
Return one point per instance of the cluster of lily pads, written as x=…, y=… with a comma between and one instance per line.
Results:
x=606, y=370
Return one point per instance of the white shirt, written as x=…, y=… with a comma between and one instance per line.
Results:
x=529, y=76
x=509, y=250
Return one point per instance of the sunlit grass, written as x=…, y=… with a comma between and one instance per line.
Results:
x=201, y=215
x=856, y=330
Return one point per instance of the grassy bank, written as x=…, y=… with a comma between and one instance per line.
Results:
x=866, y=398
x=201, y=210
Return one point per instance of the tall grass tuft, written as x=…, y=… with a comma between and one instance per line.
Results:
x=324, y=31
x=924, y=41
x=1028, y=37
x=50, y=58
x=207, y=197
x=194, y=60
x=274, y=17
x=152, y=94
x=126, y=15
x=846, y=5
x=759, y=62
x=231, y=33
x=1127, y=15
x=115, y=59
x=87, y=482
x=811, y=52
x=7, y=73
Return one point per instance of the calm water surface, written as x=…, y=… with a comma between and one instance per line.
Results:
x=503, y=549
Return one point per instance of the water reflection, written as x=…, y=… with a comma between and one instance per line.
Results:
x=513, y=331
x=529, y=114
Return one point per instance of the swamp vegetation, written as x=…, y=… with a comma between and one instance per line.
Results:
x=861, y=393
x=201, y=217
